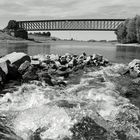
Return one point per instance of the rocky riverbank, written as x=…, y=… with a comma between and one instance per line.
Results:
x=51, y=69
x=68, y=97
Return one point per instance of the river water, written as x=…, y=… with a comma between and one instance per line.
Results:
x=119, y=54
x=36, y=110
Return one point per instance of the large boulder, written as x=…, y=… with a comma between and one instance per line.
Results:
x=13, y=73
x=16, y=58
x=2, y=78
x=134, y=68
x=4, y=67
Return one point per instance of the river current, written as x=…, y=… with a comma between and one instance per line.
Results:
x=53, y=111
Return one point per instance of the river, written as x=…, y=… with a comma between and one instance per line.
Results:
x=94, y=108
x=118, y=54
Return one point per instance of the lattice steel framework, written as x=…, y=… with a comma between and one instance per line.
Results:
x=72, y=24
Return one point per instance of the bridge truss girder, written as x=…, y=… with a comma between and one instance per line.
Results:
x=71, y=24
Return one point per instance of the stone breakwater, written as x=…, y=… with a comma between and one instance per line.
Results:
x=50, y=69
x=68, y=97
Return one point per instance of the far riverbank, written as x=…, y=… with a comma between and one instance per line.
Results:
x=130, y=45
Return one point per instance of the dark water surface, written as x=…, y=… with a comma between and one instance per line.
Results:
x=119, y=54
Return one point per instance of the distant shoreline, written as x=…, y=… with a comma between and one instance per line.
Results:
x=56, y=42
x=129, y=45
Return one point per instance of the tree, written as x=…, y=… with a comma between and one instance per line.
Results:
x=138, y=28
x=121, y=33
x=12, y=24
x=129, y=31
x=48, y=34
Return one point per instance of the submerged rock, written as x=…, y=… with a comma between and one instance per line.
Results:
x=87, y=129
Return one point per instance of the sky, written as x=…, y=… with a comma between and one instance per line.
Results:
x=61, y=9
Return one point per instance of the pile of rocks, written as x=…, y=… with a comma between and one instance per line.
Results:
x=51, y=69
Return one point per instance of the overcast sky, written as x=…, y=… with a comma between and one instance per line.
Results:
x=58, y=9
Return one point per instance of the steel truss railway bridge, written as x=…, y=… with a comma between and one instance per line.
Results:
x=71, y=25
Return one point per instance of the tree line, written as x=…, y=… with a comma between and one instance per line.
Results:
x=129, y=31
x=47, y=34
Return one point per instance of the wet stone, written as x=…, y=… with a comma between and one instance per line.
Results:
x=88, y=129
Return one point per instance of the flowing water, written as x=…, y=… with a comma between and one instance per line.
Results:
x=53, y=111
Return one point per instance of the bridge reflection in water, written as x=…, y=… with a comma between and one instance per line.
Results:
x=127, y=53
x=17, y=47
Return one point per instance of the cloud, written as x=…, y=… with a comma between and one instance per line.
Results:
x=56, y=9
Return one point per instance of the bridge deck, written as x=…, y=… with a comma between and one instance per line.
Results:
x=71, y=24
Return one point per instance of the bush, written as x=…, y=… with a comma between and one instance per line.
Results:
x=121, y=32
x=21, y=33
x=129, y=31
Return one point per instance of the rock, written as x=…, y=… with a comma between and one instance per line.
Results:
x=44, y=76
x=23, y=67
x=63, y=60
x=87, y=129
x=65, y=104
x=57, y=63
x=35, y=62
x=53, y=65
x=64, y=73
x=97, y=57
x=3, y=66
x=54, y=57
x=31, y=74
x=63, y=68
x=13, y=73
x=133, y=73
x=134, y=68
x=16, y=58
x=51, y=71
x=2, y=79
x=2, y=76
x=104, y=62
x=136, y=81
x=133, y=63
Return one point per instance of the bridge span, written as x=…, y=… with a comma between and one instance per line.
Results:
x=71, y=24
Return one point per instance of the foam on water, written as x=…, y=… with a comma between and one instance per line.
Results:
x=27, y=96
x=31, y=100
x=53, y=120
